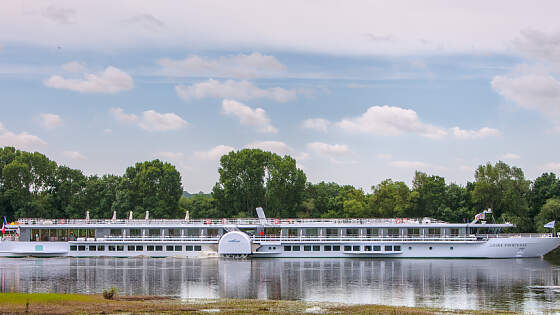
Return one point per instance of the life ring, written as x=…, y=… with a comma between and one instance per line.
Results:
x=62, y=221
x=405, y=220
x=398, y=220
x=290, y=221
x=276, y=221
x=207, y=221
x=224, y=221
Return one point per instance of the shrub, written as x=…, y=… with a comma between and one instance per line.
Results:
x=110, y=294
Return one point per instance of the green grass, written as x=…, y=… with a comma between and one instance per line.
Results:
x=23, y=298
x=52, y=303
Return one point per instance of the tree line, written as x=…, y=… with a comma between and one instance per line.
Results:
x=31, y=185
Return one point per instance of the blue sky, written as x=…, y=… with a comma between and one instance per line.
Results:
x=357, y=93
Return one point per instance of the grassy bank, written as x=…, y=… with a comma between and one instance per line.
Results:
x=553, y=256
x=48, y=303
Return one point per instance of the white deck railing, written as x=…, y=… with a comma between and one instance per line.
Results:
x=221, y=222
x=314, y=239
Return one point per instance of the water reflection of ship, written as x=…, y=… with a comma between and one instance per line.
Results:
x=471, y=283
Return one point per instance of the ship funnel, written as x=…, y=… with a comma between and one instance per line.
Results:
x=187, y=217
x=130, y=215
x=147, y=215
x=260, y=214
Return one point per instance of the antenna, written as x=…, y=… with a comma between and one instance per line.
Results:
x=260, y=214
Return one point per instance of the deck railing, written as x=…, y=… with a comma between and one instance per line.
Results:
x=315, y=239
x=221, y=222
x=201, y=239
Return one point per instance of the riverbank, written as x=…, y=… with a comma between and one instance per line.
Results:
x=50, y=303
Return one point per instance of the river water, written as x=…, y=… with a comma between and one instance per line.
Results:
x=529, y=285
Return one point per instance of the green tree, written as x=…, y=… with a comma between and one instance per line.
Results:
x=322, y=200
x=250, y=178
x=100, y=195
x=17, y=180
x=550, y=212
x=543, y=188
x=504, y=189
x=25, y=183
x=285, y=186
x=151, y=185
x=458, y=204
x=241, y=183
x=67, y=195
x=427, y=198
x=390, y=199
x=199, y=206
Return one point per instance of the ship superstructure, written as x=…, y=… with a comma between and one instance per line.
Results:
x=265, y=237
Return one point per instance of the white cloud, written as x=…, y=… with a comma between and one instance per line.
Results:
x=241, y=66
x=111, y=80
x=552, y=166
x=384, y=156
x=173, y=156
x=151, y=120
x=74, y=66
x=539, y=45
x=242, y=90
x=390, y=121
x=511, y=156
x=121, y=116
x=21, y=140
x=417, y=165
x=466, y=168
x=533, y=91
x=394, y=121
x=318, y=124
x=214, y=153
x=358, y=86
x=474, y=134
x=247, y=116
x=263, y=26
x=154, y=121
x=146, y=21
x=59, y=15
x=107, y=131
x=74, y=155
x=329, y=149
x=50, y=121
x=279, y=148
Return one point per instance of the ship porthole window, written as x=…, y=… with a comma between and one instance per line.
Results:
x=430, y=247
x=409, y=247
x=451, y=248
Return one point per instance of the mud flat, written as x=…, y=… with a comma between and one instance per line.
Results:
x=50, y=303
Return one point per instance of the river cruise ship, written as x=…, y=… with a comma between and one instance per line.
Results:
x=270, y=238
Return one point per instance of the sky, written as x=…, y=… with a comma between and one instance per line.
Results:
x=357, y=92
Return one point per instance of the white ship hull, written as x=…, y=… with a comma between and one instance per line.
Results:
x=271, y=238
x=512, y=247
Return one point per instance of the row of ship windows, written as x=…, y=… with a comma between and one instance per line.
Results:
x=137, y=248
x=346, y=248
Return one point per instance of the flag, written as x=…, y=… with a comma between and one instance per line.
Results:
x=4, y=226
x=480, y=216
x=550, y=224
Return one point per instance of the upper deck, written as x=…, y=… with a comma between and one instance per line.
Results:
x=250, y=223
